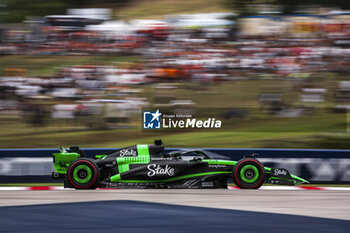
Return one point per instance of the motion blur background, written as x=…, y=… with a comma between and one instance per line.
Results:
x=81, y=71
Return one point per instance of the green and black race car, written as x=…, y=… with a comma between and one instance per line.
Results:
x=148, y=166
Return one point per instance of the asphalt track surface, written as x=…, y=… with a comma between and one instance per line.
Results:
x=175, y=211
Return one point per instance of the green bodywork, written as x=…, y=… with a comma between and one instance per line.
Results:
x=295, y=179
x=62, y=161
x=142, y=158
x=117, y=178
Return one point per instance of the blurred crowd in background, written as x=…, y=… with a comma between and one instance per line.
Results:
x=202, y=49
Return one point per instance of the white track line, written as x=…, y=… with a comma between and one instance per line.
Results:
x=280, y=188
x=272, y=188
x=13, y=188
x=338, y=188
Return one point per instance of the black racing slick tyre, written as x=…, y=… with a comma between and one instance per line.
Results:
x=83, y=174
x=249, y=173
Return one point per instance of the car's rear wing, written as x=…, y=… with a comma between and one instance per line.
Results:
x=63, y=159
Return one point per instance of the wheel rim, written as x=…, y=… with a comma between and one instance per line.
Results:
x=82, y=174
x=249, y=174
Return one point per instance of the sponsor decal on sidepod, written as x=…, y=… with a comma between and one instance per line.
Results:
x=127, y=152
x=154, y=169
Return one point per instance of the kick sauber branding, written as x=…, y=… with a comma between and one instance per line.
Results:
x=154, y=169
x=157, y=120
x=279, y=172
x=127, y=152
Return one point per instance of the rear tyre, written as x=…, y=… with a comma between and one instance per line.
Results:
x=83, y=174
x=248, y=173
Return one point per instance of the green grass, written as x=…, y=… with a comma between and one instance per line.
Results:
x=322, y=129
x=143, y=9
x=321, y=132
x=47, y=65
x=134, y=9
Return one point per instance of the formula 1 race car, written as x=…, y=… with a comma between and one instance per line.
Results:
x=148, y=166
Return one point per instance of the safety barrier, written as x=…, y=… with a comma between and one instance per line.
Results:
x=317, y=166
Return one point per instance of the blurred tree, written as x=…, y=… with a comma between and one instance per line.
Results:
x=249, y=7
x=18, y=10
x=290, y=6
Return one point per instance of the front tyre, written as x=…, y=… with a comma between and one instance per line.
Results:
x=248, y=173
x=83, y=174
